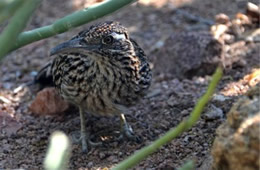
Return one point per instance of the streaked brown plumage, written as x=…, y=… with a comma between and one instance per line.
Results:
x=102, y=71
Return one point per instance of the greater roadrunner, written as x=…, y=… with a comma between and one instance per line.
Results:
x=102, y=71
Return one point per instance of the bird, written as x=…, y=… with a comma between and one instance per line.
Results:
x=102, y=71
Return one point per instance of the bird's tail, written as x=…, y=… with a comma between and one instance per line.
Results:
x=43, y=78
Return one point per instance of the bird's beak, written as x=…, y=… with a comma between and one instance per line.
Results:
x=71, y=46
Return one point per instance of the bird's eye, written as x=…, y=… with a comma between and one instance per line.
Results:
x=108, y=40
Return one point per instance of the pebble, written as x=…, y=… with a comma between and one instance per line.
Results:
x=219, y=98
x=112, y=158
x=90, y=164
x=102, y=155
x=222, y=18
x=7, y=85
x=213, y=113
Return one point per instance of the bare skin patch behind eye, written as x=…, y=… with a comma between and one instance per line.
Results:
x=118, y=36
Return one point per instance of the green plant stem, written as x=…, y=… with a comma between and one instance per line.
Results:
x=10, y=9
x=187, y=166
x=4, y=3
x=195, y=115
x=58, y=152
x=16, y=25
x=173, y=133
x=70, y=21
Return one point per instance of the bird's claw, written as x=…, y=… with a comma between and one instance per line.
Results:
x=127, y=132
x=85, y=142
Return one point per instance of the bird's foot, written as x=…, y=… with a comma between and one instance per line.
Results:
x=128, y=133
x=85, y=141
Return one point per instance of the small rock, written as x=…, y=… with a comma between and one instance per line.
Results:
x=18, y=74
x=153, y=93
x=48, y=102
x=112, y=158
x=6, y=147
x=218, y=30
x=213, y=113
x=222, y=18
x=253, y=78
x=7, y=85
x=187, y=139
x=172, y=101
x=33, y=73
x=120, y=154
x=243, y=18
x=254, y=91
x=185, y=112
x=90, y=164
x=219, y=98
x=253, y=12
x=102, y=155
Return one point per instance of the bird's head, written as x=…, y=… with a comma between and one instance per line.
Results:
x=103, y=41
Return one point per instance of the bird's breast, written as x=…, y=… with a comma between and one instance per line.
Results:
x=101, y=88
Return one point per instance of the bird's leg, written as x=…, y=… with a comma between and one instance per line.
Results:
x=84, y=135
x=126, y=130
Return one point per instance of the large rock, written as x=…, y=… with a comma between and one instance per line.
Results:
x=48, y=102
x=237, y=145
x=187, y=54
